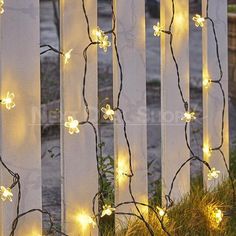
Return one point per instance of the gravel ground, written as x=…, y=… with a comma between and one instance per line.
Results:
x=50, y=92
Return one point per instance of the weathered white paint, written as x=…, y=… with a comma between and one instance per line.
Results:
x=174, y=149
x=20, y=127
x=212, y=97
x=130, y=31
x=78, y=151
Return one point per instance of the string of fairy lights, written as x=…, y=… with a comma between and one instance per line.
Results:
x=99, y=38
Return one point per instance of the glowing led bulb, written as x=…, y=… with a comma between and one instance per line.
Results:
x=1, y=6
x=189, y=116
x=6, y=194
x=72, y=125
x=199, y=21
x=102, y=39
x=98, y=33
x=8, y=101
x=207, y=150
x=85, y=221
x=213, y=174
x=67, y=56
x=161, y=212
x=107, y=210
x=206, y=83
x=218, y=215
x=108, y=112
x=105, y=43
x=157, y=29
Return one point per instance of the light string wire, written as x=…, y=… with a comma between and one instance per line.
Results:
x=97, y=216
x=16, y=177
x=219, y=82
x=169, y=201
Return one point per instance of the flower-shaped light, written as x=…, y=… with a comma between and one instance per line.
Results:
x=199, y=21
x=102, y=39
x=107, y=210
x=213, y=174
x=157, y=29
x=6, y=194
x=8, y=101
x=207, y=150
x=1, y=7
x=72, y=125
x=105, y=43
x=189, y=116
x=108, y=112
x=67, y=56
x=86, y=220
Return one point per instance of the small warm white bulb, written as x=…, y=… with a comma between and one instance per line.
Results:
x=218, y=215
x=207, y=150
x=206, y=83
x=108, y=112
x=67, y=56
x=188, y=117
x=199, y=21
x=85, y=220
x=102, y=39
x=8, y=101
x=72, y=125
x=213, y=174
x=6, y=194
x=107, y=210
x=157, y=29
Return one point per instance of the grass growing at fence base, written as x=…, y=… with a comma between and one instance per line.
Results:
x=192, y=216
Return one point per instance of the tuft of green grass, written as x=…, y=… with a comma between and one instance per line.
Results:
x=232, y=8
x=192, y=215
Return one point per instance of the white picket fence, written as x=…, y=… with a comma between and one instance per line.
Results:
x=20, y=129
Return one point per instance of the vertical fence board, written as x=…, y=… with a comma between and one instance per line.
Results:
x=20, y=127
x=174, y=149
x=78, y=150
x=130, y=31
x=212, y=97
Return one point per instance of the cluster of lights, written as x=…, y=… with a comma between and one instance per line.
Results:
x=188, y=116
x=1, y=6
x=213, y=174
x=8, y=101
x=72, y=125
x=108, y=112
x=6, y=194
x=102, y=39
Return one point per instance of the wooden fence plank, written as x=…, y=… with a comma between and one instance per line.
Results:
x=20, y=126
x=130, y=31
x=78, y=150
x=174, y=149
x=212, y=96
